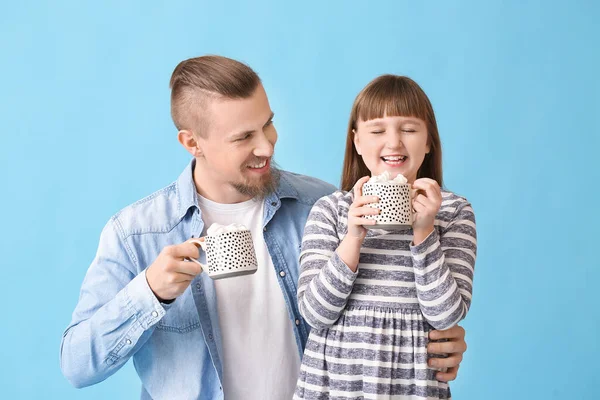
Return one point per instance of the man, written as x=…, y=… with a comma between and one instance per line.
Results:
x=191, y=337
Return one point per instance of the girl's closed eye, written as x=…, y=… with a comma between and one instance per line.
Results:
x=408, y=128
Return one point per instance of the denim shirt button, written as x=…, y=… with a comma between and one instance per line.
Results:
x=282, y=274
x=154, y=314
x=297, y=322
x=210, y=336
x=274, y=203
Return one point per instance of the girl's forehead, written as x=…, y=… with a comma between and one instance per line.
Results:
x=391, y=119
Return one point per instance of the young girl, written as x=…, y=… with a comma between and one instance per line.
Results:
x=373, y=295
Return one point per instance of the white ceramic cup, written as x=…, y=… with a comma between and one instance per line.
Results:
x=395, y=203
x=228, y=254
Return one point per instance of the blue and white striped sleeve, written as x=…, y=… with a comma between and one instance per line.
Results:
x=443, y=266
x=325, y=281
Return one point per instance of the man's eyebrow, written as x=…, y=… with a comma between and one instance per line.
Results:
x=244, y=133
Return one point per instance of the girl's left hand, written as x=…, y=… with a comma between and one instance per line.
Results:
x=426, y=202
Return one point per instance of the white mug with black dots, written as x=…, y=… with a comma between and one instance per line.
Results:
x=229, y=251
x=395, y=201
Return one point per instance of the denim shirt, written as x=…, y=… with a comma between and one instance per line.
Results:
x=176, y=347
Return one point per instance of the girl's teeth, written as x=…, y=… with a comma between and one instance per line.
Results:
x=394, y=158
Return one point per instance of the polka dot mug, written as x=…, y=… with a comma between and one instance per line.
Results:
x=395, y=203
x=228, y=254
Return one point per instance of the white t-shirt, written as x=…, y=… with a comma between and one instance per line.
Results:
x=260, y=355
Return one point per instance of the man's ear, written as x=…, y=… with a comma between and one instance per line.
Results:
x=190, y=142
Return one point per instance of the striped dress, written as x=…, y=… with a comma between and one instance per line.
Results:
x=370, y=328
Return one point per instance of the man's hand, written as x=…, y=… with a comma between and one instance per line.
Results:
x=454, y=348
x=169, y=275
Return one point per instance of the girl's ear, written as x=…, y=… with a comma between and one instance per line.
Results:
x=356, y=141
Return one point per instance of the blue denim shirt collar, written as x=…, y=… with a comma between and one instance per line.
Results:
x=187, y=195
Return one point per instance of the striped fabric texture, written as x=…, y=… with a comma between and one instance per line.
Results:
x=370, y=328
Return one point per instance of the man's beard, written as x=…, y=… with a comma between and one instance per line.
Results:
x=261, y=188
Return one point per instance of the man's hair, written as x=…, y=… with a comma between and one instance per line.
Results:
x=197, y=79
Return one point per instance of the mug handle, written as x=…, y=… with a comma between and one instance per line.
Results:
x=199, y=242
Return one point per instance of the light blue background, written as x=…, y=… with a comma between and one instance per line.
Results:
x=85, y=130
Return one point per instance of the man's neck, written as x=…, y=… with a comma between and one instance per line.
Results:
x=219, y=193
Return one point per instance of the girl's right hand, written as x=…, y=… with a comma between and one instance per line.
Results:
x=358, y=210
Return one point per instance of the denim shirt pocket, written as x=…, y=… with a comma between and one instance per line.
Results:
x=182, y=316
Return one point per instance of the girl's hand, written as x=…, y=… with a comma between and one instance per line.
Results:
x=426, y=203
x=349, y=248
x=358, y=210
